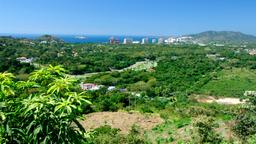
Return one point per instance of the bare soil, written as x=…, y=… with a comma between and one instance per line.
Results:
x=224, y=100
x=121, y=120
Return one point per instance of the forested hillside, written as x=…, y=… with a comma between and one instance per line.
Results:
x=152, y=93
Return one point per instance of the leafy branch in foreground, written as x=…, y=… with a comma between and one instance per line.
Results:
x=44, y=109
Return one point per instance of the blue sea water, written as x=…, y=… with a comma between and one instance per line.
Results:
x=86, y=39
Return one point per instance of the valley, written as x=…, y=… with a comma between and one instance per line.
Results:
x=131, y=93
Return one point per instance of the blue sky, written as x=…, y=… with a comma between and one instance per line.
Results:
x=126, y=17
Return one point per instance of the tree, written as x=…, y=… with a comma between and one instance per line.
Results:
x=246, y=120
x=44, y=109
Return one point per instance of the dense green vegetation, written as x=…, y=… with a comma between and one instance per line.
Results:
x=43, y=104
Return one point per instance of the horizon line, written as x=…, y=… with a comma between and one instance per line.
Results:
x=126, y=35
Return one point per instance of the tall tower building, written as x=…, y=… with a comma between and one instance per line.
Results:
x=144, y=41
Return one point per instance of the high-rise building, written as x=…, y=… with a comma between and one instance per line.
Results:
x=144, y=41
x=112, y=40
x=127, y=41
x=153, y=41
x=160, y=41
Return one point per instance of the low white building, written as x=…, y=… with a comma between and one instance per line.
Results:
x=250, y=93
x=170, y=40
x=219, y=45
x=43, y=42
x=136, y=42
x=90, y=86
x=24, y=60
x=111, y=88
x=183, y=39
x=252, y=52
x=201, y=44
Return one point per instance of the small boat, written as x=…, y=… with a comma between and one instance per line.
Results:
x=80, y=37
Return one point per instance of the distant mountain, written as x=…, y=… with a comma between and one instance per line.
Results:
x=223, y=37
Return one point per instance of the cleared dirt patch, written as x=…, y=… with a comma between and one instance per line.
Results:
x=121, y=120
x=227, y=101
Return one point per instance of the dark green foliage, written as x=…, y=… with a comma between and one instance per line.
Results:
x=146, y=109
x=122, y=79
x=185, y=72
x=111, y=101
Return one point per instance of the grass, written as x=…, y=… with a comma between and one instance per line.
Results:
x=138, y=66
x=144, y=65
x=231, y=83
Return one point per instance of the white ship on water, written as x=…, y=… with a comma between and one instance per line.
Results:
x=80, y=37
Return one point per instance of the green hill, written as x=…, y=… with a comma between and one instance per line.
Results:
x=223, y=37
x=49, y=38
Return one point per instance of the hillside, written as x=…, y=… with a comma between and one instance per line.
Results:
x=223, y=37
x=49, y=38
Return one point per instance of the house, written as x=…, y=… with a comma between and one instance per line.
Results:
x=90, y=86
x=43, y=42
x=170, y=40
x=221, y=58
x=183, y=39
x=201, y=44
x=2, y=44
x=252, y=52
x=250, y=93
x=24, y=60
x=219, y=45
x=110, y=88
x=212, y=56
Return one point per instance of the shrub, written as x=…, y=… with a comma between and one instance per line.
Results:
x=146, y=109
x=246, y=120
x=245, y=125
x=110, y=101
x=203, y=131
x=108, y=135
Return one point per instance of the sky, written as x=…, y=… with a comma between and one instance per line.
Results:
x=126, y=17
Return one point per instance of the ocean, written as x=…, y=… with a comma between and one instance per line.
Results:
x=83, y=38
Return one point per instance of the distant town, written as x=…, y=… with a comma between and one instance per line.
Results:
x=147, y=40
